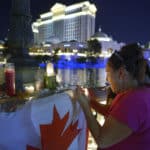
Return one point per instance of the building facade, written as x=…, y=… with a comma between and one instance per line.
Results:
x=106, y=41
x=66, y=23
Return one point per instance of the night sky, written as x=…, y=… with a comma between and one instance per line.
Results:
x=125, y=20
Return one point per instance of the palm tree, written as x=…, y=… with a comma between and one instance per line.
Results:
x=94, y=47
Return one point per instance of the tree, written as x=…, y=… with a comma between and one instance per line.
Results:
x=56, y=50
x=94, y=46
x=147, y=45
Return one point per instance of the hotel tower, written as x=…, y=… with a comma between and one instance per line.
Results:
x=66, y=23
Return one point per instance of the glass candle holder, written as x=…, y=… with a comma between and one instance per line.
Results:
x=29, y=88
x=50, y=82
x=10, y=79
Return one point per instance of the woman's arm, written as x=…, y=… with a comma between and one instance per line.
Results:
x=100, y=108
x=111, y=133
x=93, y=124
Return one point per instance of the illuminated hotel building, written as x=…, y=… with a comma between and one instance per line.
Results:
x=65, y=23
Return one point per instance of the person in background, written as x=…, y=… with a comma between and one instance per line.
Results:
x=127, y=125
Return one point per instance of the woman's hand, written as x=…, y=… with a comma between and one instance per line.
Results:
x=91, y=94
x=79, y=95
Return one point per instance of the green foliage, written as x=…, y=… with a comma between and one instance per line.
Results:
x=94, y=46
x=55, y=58
x=147, y=45
x=38, y=58
x=81, y=60
x=92, y=59
x=56, y=50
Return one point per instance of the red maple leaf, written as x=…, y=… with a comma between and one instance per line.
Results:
x=53, y=135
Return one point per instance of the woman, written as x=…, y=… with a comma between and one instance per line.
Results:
x=127, y=126
x=103, y=109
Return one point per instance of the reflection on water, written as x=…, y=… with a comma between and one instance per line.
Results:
x=71, y=72
x=86, y=77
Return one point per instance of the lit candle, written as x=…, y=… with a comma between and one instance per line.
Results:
x=29, y=89
x=50, y=69
x=38, y=85
x=50, y=78
x=39, y=79
x=50, y=82
x=58, y=78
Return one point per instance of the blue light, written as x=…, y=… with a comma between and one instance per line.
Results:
x=72, y=64
x=42, y=65
x=63, y=63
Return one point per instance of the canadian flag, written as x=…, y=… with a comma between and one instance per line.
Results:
x=50, y=123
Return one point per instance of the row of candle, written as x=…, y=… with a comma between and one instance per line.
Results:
x=43, y=80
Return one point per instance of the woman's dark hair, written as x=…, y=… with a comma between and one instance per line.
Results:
x=131, y=57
